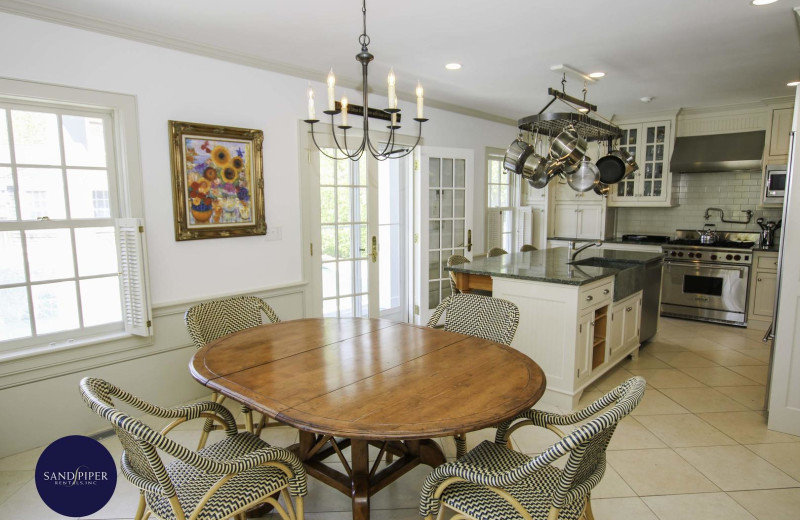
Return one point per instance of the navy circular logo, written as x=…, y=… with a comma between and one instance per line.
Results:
x=76, y=476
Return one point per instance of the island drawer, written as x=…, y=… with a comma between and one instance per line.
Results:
x=596, y=295
x=769, y=262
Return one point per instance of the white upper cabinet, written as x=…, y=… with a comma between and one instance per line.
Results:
x=651, y=185
x=777, y=149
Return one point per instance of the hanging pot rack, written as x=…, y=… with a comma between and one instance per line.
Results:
x=551, y=123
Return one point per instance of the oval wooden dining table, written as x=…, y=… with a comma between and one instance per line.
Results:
x=355, y=382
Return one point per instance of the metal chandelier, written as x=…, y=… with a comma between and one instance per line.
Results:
x=390, y=150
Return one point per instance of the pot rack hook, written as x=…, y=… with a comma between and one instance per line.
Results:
x=564, y=82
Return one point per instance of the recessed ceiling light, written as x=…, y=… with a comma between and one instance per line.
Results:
x=596, y=74
x=646, y=99
x=583, y=110
x=762, y=2
x=453, y=66
x=793, y=83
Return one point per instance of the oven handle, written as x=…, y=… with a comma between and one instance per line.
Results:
x=742, y=268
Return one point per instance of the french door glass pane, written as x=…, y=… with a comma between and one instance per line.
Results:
x=433, y=174
x=5, y=150
x=84, y=141
x=96, y=250
x=461, y=167
x=343, y=214
x=433, y=233
x=447, y=203
x=41, y=193
x=14, y=314
x=434, y=265
x=55, y=307
x=12, y=266
x=35, y=137
x=43, y=264
x=100, y=301
x=447, y=234
x=8, y=205
x=459, y=205
x=447, y=173
x=434, y=203
x=458, y=233
x=433, y=294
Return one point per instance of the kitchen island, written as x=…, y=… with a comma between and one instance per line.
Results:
x=577, y=319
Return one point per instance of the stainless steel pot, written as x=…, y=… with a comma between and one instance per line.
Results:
x=516, y=155
x=534, y=170
x=585, y=177
x=602, y=189
x=708, y=236
x=568, y=147
x=630, y=162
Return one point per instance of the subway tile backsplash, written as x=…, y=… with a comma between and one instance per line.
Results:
x=694, y=193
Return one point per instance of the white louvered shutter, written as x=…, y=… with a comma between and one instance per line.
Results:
x=132, y=256
x=494, y=228
x=524, y=231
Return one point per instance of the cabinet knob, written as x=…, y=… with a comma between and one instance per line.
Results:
x=759, y=279
x=629, y=309
x=606, y=291
x=589, y=298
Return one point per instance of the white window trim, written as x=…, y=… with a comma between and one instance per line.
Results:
x=131, y=205
x=515, y=190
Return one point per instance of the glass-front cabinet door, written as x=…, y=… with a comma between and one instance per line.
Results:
x=630, y=143
x=649, y=143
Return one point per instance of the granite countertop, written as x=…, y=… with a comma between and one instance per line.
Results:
x=610, y=241
x=551, y=265
x=770, y=249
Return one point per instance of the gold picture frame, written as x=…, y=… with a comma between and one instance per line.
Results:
x=217, y=181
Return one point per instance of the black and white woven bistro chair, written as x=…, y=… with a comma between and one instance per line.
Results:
x=496, y=251
x=208, y=321
x=493, y=482
x=455, y=260
x=527, y=247
x=480, y=316
x=223, y=480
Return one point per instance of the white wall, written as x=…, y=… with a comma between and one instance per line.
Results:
x=171, y=85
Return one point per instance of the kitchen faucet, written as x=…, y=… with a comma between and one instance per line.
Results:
x=571, y=247
x=748, y=213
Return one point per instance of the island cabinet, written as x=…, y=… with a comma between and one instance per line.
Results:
x=568, y=331
x=626, y=318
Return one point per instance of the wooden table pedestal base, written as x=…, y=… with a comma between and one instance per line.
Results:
x=361, y=480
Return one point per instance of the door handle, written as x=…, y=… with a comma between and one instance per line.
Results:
x=469, y=240
x=374, y=249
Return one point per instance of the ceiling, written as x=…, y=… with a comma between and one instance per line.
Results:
x=683, y=53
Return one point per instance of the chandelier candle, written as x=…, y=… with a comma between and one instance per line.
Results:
x=419, y=100
x=311, y=108
x=344, y=112
x=331, y=96
x=392, y=94
x=388, y=148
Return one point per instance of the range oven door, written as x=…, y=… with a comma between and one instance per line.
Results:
x=720, y=288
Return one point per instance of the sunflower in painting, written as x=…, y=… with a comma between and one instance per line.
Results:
x=221, y=156
x=237, y=163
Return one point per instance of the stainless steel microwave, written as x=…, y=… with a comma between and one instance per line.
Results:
x=775, y=177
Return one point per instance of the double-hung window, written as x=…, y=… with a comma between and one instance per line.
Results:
x=72, y=268
x=501, y=195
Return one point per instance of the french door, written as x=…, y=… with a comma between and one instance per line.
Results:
x=358, y=249
x=443, y=192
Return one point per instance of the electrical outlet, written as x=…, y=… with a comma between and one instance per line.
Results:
x=273, y=233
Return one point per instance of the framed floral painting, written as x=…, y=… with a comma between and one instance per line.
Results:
x=218, y=184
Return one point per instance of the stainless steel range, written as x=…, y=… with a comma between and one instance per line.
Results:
x=707, y=281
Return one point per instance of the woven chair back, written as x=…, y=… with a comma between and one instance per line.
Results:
x=480, y=316
x=455, y=260
x=496, y=251
x=211, y=320
x=527, y=247
x=139, y=459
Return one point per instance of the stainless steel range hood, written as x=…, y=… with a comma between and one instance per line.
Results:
x=718, y=153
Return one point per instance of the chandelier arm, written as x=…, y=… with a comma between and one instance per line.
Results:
x=355, y=155
x=321, y=150
x=419, y=136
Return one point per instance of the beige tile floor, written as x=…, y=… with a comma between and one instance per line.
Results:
x=696, y=447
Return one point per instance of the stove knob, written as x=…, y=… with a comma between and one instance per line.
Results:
x=680, y=253
x=690, y=255
x=728, y=257
x=672, y=253
x=737, y=257
x=699, y=255
x=713, y=257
